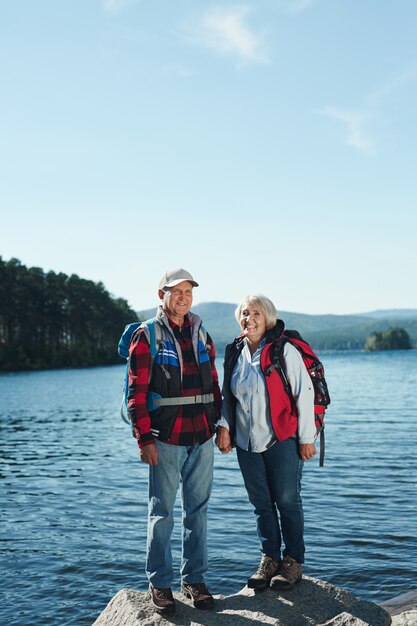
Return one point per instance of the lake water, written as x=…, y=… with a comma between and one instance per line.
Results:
x=74, y=493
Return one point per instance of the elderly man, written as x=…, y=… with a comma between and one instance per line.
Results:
x=174, y=402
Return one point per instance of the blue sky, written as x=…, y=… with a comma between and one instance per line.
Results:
x=266, y=146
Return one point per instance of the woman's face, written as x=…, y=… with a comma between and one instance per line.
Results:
x=253, y=322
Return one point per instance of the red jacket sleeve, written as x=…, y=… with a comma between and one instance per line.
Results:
x=139, y=364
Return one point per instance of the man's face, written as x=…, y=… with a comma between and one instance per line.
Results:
x=177, y=301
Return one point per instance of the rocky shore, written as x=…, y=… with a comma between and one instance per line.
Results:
x=311, y=603
x=403, y=608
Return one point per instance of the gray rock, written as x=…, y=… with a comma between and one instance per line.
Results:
x=407, y=618
x=310, y=603
x=345, y=619
x=399, y=604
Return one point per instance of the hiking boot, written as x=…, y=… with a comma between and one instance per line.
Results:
x=288, y=574
x=199, y=594
x=162, y=600
x=266, y=570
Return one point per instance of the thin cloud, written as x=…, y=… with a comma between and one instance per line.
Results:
x=225, y=31
x=354, y=122
x=391, y=87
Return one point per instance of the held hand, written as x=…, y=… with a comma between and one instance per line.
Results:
x=307, y=451
x=223, y=441
x=149, y=454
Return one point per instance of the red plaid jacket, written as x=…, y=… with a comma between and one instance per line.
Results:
x=191, y=425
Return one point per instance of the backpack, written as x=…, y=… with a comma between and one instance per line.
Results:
x=123, y=350
x=155, y=343
x=316, y=371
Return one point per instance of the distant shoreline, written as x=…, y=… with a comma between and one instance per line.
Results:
x=219, y=355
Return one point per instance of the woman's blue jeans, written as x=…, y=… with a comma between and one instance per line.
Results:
x=273, y=481
x=192, y=468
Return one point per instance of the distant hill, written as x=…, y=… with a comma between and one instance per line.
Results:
x=324, y=332
x=393, y=313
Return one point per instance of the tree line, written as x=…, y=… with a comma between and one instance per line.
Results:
x=51, y=320
x=391, y=339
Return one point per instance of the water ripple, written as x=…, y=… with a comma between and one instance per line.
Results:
x=74, y=495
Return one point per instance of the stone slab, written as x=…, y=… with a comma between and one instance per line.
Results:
x=312, y=602
x=399, y=604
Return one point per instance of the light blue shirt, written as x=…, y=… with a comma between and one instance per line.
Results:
x=253, y=424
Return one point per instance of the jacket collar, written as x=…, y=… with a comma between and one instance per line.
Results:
x=275, y=333
x=162, y=317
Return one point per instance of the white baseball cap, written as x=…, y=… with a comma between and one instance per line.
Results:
x=175, y=277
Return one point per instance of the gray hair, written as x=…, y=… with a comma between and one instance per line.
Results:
x=267, y=307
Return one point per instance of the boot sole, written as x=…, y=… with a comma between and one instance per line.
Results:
x=258, y=586
x=163, y=610
x=281, y=586
x=169, y=610
x=203, y=605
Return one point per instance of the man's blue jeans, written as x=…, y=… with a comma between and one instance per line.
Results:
x=273, y=481
x=192, y=468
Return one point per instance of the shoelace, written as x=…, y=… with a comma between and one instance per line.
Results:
x=163, y=594
x=264, y=566
x=199, y=588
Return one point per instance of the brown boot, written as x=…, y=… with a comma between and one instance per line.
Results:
x=199, y=594
x=266, y=570
x=162, y=600
x=290, y=573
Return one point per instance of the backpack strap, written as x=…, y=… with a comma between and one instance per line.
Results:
x=154, y=330
x=277, y=363
x=153, y=333
x=204, y=398
x=322, y=446
x=203, y=336
x=124, y=342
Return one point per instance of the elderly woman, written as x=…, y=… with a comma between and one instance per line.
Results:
x=273, y=437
